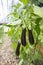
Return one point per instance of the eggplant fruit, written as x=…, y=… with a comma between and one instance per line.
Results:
x=31, y=39
x=18, y=49
x=23, y=37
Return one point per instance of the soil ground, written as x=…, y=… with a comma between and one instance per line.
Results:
x=7, y=56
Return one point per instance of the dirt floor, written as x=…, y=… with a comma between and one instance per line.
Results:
x=7, y=56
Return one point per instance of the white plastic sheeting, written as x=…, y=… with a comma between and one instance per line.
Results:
x=5, y=8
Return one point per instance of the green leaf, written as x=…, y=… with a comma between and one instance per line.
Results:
x=40, y=1
x=14, y=45
x=21, y=62
x=24, y=1
x=37, y=27
x=38, y=11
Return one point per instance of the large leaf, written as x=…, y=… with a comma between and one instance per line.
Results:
x=38, y=11
x=24, y=1
x=40, y=1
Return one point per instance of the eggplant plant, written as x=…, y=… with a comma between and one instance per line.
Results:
x=28, y=29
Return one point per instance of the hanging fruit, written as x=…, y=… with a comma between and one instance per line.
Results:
x=23, y=37
x=18, y=49
x=31, y=39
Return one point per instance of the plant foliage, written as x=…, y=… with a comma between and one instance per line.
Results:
x=27, y=14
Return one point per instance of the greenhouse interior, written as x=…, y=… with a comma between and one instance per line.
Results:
x=21, y=32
